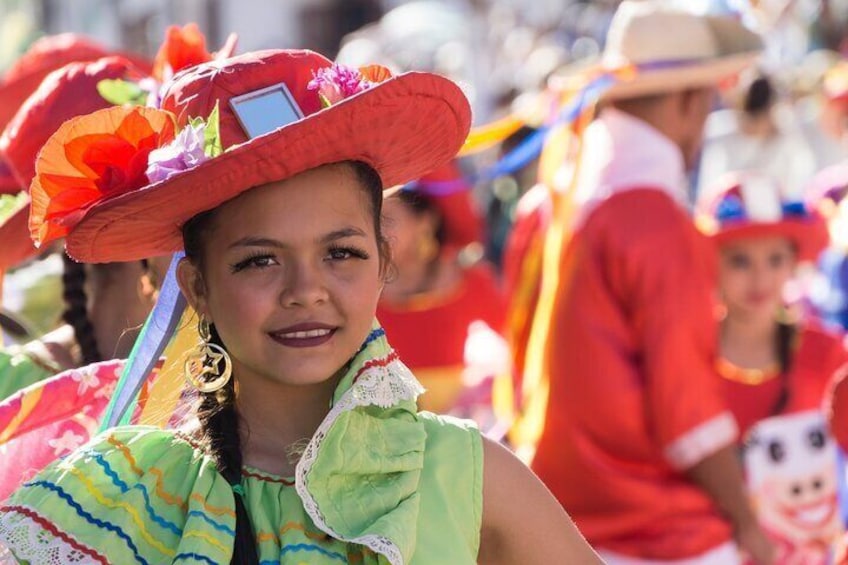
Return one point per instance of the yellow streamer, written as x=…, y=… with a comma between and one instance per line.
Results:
x=167, y=389
x=535, y=391
x=28, y=403
x=489, y=135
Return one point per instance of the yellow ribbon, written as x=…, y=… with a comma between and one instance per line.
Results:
x=166, y=390
x=489, y=135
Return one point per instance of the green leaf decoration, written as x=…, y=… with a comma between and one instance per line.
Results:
x=212, y=146
x=120, y=92
x=325, y=102
x=11, y=203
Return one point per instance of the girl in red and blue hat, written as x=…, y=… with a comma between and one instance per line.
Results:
x=774, y=369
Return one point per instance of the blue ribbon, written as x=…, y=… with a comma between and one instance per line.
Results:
x=526, y=151
x=160, y=326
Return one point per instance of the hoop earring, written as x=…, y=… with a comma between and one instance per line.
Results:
x=203, y=366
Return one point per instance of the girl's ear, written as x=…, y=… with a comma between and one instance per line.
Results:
x=193, y=287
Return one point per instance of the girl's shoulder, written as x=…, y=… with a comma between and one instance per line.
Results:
x=132, y=494
x=820, y=348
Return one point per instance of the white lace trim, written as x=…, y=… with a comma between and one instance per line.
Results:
x=377, y=386
x=33, y=544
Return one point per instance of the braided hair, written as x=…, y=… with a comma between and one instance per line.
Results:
x=76, y=310
x=784, y=338
x=218, y=415
x=217, y=411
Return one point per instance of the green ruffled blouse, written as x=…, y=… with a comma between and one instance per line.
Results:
x=379, y=482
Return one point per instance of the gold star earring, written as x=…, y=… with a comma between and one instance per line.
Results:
x=203, y=367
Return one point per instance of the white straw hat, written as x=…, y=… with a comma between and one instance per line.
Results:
x=652, y=48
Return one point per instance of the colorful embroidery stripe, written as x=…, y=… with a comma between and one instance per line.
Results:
x=293, y=548
x=288, y=527
x=148, y=506
x=54, y=531
x=193, y=557
x=376, y=363
x=373, y=336
x=124, y=487
x=267, y=479
x=171, y=499
x=88, y=517
x=126, y=507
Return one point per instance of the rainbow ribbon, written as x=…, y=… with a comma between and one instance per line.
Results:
x=160, y=326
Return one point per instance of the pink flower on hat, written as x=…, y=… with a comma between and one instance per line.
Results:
x=183, y=153
x=337, y=82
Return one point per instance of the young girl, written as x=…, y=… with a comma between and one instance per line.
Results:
x=774, y=370
x=103, y=303
x=43, y=418
x=309, y=446
x=442, y=298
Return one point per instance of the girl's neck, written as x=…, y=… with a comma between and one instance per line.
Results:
x=749, y=341
x=276, y=418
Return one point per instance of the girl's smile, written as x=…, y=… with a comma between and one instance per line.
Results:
x=290, y=277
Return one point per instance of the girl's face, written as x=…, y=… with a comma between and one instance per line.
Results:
x=406, y=231
x=753, y=273
x=291, y=276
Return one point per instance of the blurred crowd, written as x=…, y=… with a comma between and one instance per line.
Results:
x=634, y=273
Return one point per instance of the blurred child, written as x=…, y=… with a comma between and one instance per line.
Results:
x=774, y=369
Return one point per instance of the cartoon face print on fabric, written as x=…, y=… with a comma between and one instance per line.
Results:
x=791, y=467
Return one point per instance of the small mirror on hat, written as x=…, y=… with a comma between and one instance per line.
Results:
x=263, y=111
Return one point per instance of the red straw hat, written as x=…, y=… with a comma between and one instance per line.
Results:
x=21, y=80
x=103, y=202
x=750, y=205
x=68, y=92
x=451, y=193
x=72, y=91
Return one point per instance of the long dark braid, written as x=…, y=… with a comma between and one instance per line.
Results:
x=76, y=310
x=220, y=423
x=784, y=339
x=217, y=412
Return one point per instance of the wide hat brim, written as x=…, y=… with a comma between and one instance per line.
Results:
x=17, y=246
x=710, y=72
x=735, y=48
x=8, y=183
x=403, y=128
x=809, y=235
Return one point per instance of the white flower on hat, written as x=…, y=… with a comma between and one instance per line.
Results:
x=761, y=196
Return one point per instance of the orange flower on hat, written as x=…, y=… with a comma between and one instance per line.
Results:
x=90, y=159
x=183, y=47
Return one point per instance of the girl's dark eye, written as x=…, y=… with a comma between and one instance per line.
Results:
x=344, y=253
x=777, y=261
x=739, y=262
x=257, y=262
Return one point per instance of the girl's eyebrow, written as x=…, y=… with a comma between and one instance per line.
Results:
x=258, y=241
x=349, y=231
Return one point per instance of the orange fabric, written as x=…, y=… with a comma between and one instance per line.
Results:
x=630, y=355
x=819, y=355
x=522, y=264
x=434, y=337
x=443, y=387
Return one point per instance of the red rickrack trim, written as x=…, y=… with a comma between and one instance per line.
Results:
x=55, y=531
x=376, y=363
x=266, y=478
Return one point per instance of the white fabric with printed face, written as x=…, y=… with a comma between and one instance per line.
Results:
x=791, y=465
